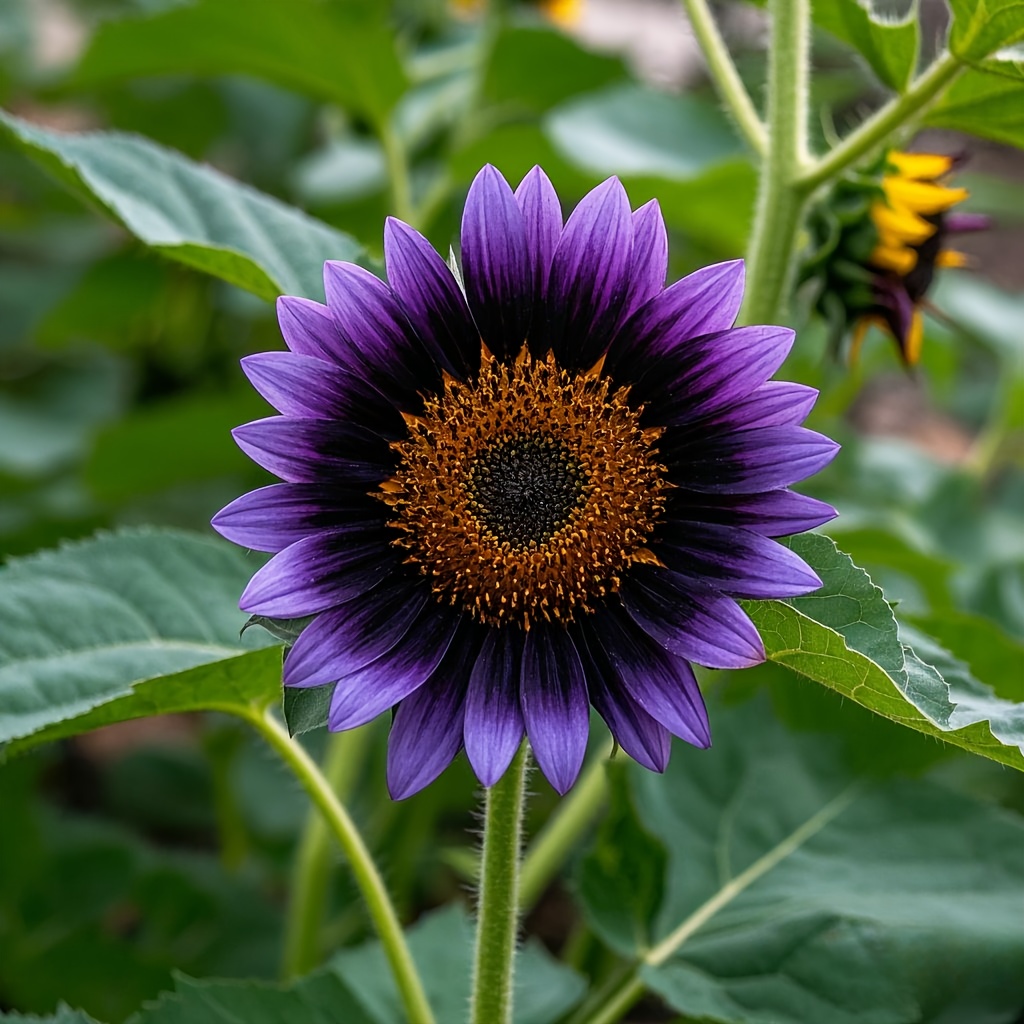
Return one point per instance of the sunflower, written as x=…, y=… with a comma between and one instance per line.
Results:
x=522, y=488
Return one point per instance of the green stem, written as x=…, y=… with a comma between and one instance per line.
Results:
x=497, y=918
x=724, y=75
x=402, y=204
x=780, y=203
x=367, y=878
x=311, y=872
x=883, y=122
x=549, y=851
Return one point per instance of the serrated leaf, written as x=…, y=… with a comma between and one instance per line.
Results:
x=980, y=27
x=86, y=626
x=62, y=1015
x=845, y=636
x=984, y=103
x=340, y=52
x=796, y=892
x=189, y=212
x=889, y=45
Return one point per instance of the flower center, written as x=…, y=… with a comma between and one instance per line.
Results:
x=525, y=493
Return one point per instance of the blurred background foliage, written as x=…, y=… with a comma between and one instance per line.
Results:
x=131, y=852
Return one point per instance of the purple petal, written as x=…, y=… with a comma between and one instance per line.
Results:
x=748, y=460
x=345, y=639
x=689, y=620
x=772, y=513
x=735, y=560
x=309, y=330
x=363, y=695
x=431, y=298
x=304, y=387
x=777, y=403
x=271, y=518
x=542, y=221
x=664, y=686
x=646, y=741
x=315, y=451
x=705, y=302
x=958, y=223
x=494, y=721
x=494, y=264
x=427, y=731
x=649, y=265
x=556, y=710
x=383, y=345
x=320, y=572
x=589, y=278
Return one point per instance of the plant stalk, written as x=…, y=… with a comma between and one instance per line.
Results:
x=498, y=914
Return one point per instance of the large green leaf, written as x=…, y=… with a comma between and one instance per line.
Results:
x=983, y=103
x=981, y=27
x=86, y=626
x=889, y=45
x=795, y=892
x=190, y=212
x=342, y=52
x=846, y=637
x=63, y=1015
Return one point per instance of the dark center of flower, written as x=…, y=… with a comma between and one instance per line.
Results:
x=525, y=489
x=524, y=494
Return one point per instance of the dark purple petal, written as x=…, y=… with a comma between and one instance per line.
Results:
x=363, y=695
x=589, y=278
x=309, y=330
x=646, y=741
x=664, y=686
x=771, y=513
x=383, y=345
x=495, y=264
x=649, y=265
x=735, y=560
x=345, y=639
x=431, y=298
x=958, y=223
x=777, y=403
x=271, y=518
x=689, y=620
x=315, y=451
x=556, y=710
x=745, y=461
x=304, y=387
x=542, y=221
x=705, y=302
x=320, y=572
x=494, y=720
x=427, y=731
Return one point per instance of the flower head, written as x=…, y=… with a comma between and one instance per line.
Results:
x=506, y=503
x=879, y=239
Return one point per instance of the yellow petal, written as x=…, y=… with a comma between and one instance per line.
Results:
x=901, y=223
x=901, y=260
x=912, y=342
x=566, y=13
x=920, y=196
x=923, y=166
x=952, y=258
x=860, y=328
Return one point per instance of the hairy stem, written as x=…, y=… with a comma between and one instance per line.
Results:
x=724, y=75
x=780, y=204
x=498, y=913
x=367, y=878
x=311, y=872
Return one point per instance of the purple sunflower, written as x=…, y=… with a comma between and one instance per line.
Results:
x=538, y=485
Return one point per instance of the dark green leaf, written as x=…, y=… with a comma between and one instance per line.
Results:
x=189, y=212
x=984, y=104
x=87, y=625
x=889, y=45
x=306, y=707
x=341, y=52
x=63, y=1015
x=835, y=901
x=980, y=27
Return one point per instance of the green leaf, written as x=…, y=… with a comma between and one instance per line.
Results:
x=980, y=27
x=984, y=104
x=889, y=45
x=442, y=946
x=805, y=894
x=845, y=636
x=63, y=1015
x=340, y=52
x=86, y=626
x=189, y=212
x=306, y=707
